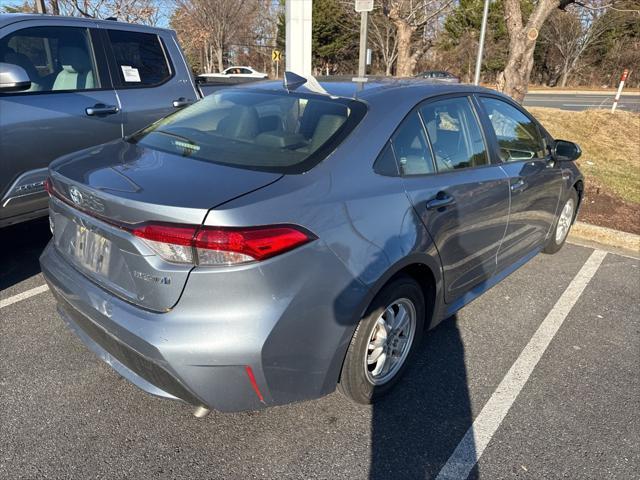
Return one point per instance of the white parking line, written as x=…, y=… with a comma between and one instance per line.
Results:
x=472, y=445
x=23, y=296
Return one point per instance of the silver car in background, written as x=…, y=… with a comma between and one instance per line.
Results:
x=267, y=244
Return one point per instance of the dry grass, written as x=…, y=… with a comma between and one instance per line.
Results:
x=610, y=145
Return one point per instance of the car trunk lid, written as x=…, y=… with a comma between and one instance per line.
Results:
x=102, y=194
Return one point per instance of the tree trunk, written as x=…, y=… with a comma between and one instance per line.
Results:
x=219, y=54
x=406, y=63
x=514, y=80
x=565, y=74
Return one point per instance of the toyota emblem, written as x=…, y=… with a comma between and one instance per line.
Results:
x=75, y=195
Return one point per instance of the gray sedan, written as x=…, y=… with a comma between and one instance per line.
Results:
x=268, y=244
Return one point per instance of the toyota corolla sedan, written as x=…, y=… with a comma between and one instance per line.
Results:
x=268, y=244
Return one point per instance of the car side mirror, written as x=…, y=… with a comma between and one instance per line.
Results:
x=565, y=151
x=13, y=78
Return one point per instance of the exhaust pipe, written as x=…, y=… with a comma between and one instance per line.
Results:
x=201, y=412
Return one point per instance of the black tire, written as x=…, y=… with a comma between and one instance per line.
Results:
x=354, y=380
x=553, y=245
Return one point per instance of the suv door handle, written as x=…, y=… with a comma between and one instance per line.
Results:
x=182, y=102
x=442, y=200
x=101, y=109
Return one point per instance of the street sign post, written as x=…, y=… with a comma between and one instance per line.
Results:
x=276, y=56
x=363, y=7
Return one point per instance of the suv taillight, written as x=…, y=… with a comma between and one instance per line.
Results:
x=217, y=246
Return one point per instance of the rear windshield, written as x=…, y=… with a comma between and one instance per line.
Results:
x=271, y=131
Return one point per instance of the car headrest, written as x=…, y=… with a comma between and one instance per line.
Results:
x=74, y=60
x=327, y=126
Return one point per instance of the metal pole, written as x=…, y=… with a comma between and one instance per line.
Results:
x=362, y=58
x=483, y=30
x=41, y=6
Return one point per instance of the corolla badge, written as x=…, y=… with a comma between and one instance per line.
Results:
x=75, y=195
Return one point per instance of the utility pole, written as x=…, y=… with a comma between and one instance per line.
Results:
x=41, y=6
x=483, y=31
x=364, y=7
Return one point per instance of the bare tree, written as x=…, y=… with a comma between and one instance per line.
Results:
x=409, y=17
x=215, y=24
x=382, y=34
x=570, y=34
x=132, y=11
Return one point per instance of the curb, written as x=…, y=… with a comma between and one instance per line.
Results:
x=605, y=236
x=598, y=93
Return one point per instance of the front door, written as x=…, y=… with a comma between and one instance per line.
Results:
x=535, y=179
x=461, y=197
x=70, y=106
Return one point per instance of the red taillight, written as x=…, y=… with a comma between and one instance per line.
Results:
x=220, y=245
x=257, y=243
x=177, y=235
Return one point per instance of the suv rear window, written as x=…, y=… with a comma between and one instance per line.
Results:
x=271, y=131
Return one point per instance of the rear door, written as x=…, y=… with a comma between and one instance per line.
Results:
x=535, y=179
x=149, y=74
x=460, y=195
x=71, y=105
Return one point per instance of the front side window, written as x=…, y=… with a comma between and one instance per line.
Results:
x=55, y=58
x=411, y=147
x=278, y=132
x=517, y=135
x=455, y=134
x=139, y=57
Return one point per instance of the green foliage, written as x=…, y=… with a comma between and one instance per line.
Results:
x=333, y=40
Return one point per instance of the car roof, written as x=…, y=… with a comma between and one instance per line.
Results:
x=8, y=18
x=377, y=88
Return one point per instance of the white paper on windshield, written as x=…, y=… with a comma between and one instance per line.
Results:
x=130, y=74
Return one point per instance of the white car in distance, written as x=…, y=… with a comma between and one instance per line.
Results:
x=236, y=72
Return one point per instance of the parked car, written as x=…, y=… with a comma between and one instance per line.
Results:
x=440, y=75
x=267, y=244
x=69, y=83
x=235, y=72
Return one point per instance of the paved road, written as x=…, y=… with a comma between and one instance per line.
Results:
x=581, y=101
x=64, y=414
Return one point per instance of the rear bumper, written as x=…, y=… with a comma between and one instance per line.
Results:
x=199, y=354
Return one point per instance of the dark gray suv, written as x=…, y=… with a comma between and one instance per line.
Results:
x=265, y=245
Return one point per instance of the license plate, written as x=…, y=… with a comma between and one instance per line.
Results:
x=91, y=250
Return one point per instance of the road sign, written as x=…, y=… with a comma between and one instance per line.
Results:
x=276, y=55
x=364, y=5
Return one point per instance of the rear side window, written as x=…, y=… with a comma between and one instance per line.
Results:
x=455, y=134
x=411, y=147
x=140, y=58
x=517, y=135
x=271, y=131
x=55, y=58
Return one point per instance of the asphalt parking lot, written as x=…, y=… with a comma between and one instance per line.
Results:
x=539, y=378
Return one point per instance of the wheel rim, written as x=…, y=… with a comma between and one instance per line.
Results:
x=390, y=341
x=564, y=222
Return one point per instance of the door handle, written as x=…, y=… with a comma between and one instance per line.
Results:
x=101, y=109
x=182, y=102
x=518, y=186
x=442, y=200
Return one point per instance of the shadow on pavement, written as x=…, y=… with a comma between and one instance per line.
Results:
x=418, y=426
x=20, y=248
